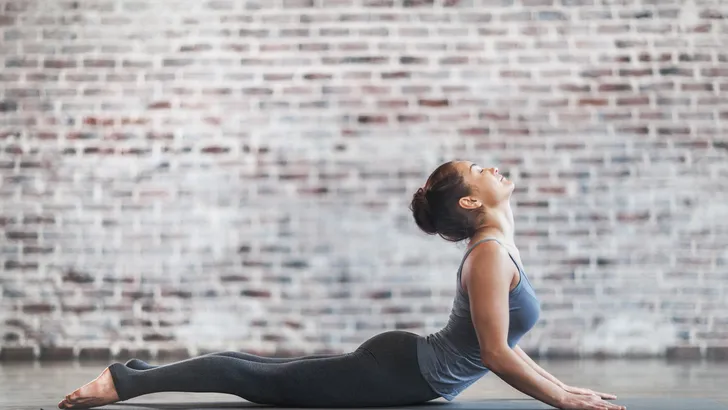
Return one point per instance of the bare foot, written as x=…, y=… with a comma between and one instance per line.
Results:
x=97, y=392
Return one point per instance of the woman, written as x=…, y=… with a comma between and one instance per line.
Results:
x=494, y=307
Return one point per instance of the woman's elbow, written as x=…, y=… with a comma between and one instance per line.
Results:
x=493, y=359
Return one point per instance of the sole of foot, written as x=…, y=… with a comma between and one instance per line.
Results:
x=98, y=392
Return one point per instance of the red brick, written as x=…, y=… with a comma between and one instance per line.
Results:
x=492, y=31
x=593, y=101
x=417, y=3
x=393, y=103
x=160, y=105
x=509, y=45
x=125, y=354
x=433, y=102
x=515, y=74
x=684, y=352
x=157, y=337
x=396, y=75
x=99, y=150
x=137, y=322
x=714, y=72
x=22, y=92
x=94, y=353
x=474, y=131
x=633, y=216
x=554, y=102
x=372, y=119
x=454, y=60
x=619, y=87
x=647, y=57
x=578, y=88
x=413, y=60
x=173, y=353
x=597, y=72
x=51, y=63
x=674, y=130
x=99, y=63
x=317, y=76
x=33, y=308
x=512, y=131
x=619, y=28
x=190, y=48
x=214, y=149
x=635, y=72
x=636, y=100
x=98, y=121
x=17, y=353
x=412, y=118
x=82, y=77
x=713, y=14
x=637, y=130
x=256, y=293
x=55, y=353
x=376, y=90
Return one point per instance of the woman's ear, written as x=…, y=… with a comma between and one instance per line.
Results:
x=469, y=202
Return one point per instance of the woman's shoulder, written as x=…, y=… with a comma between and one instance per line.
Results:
x=486, y=257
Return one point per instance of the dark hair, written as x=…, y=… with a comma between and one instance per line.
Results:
x=436, y=210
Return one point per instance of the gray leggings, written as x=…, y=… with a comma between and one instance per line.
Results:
x=383, y=371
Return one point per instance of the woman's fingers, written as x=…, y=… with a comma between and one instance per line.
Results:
x=597, y=403
x=606, y=406
x=589, y=401
x=607, y=396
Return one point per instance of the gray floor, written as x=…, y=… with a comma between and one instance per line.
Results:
x=639, y=385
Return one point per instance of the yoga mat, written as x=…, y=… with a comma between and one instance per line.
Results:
x=667, y=403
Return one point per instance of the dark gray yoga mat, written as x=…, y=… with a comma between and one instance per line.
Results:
x=632, y=404
x=668, y=403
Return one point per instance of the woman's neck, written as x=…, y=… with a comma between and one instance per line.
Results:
x=499, y=224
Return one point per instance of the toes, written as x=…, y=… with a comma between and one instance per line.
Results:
x=70, y=399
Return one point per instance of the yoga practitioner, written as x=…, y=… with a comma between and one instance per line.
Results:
x=494, y=307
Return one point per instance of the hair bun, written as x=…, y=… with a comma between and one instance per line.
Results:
x=420, y=208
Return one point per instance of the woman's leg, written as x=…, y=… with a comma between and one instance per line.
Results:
x=293, y=383
x=360, y=378
x=138, y=364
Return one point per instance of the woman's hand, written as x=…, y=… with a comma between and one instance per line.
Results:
x=581, y=390
x=587, y=402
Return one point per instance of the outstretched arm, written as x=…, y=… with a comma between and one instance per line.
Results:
x=547, y=375
x=536, y=367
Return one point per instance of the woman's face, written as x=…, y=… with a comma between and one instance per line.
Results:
x=488, y=185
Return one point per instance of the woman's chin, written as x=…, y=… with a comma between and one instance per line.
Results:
x=511, y=187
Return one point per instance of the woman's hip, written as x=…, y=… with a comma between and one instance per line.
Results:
x=398, y=344
x=395, y=352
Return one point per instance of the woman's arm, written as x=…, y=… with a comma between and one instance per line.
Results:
x=536, y=367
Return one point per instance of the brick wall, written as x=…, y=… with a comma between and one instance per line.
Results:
x=188, y=176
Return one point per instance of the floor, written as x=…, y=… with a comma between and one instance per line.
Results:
x=639, y=384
